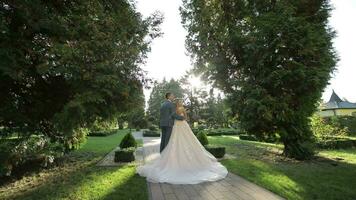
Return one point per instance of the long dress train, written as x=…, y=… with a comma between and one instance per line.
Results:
x=183, y=161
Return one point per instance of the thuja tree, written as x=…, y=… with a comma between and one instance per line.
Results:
x=271, y=58
x=63, y=64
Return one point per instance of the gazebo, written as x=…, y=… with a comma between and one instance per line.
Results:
x=337, y=107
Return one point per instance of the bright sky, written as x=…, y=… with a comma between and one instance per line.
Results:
x=168, y=56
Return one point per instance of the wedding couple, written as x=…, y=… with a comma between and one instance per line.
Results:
x=183, y=160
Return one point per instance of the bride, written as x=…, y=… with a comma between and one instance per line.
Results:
x=184, y=160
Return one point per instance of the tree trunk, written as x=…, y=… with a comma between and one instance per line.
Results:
x=296, y=146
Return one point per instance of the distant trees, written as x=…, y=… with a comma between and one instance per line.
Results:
x=64, y=64
x=157, y=97
x=272, y=59
x=202, y=106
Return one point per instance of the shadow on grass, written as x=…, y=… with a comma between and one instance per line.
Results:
x=89, y=182
x=320, y=178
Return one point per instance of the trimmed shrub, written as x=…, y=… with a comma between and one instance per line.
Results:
x=102, y=133
x=125, y=155
x=223, y=131
x=128, y=141
x=218, y=152
x=203, y=139
x=248, y=137
x=147, y=133
x=153, y=128
x=195, y=131
x=337, y=143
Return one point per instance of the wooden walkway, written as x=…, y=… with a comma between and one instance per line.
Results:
x=233, y=187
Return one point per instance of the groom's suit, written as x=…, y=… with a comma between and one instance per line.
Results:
x=167, y=116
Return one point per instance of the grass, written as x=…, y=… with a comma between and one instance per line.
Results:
x=330, y=176
x=79, y=178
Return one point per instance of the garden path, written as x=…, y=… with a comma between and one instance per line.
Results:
x=232, y=187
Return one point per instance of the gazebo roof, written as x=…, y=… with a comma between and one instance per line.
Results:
x=336, y=102
x=334, y=97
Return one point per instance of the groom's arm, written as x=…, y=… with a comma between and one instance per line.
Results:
x=174, y=115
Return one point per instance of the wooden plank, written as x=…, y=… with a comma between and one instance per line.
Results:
x=170, y=196
x=180, y=193
x=190, y=191
x=166, y=188
x=156, y=191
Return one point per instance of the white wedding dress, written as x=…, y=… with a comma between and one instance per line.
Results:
x=183, y=161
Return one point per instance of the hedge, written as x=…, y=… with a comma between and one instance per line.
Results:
x=218, y=152
x=148, y=133
x=102, y=133
x=342, y=143
x=125, y=155
x=248, y=137
x=222, y=131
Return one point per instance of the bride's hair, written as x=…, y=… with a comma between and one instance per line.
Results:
x=179, y=103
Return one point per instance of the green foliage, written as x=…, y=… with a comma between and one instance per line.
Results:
x=337, y=143
x=323, y=130
x=271, y=58
x=247, y=137
x=223, y=131
x=214, y=111
x=150, y=133
x=103, y=125
x=122, y=181
x=344, y=122
x=128, y=141
x=103, y=133
x=218, y=152
x=64, y=64
x=153, y=128
x=157, y=97
x=203, y=139
x=262, y=164
x=125, y=155
x=16, y=152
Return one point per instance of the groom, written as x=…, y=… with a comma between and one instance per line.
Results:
x=167, y=116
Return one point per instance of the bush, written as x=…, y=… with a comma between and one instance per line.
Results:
x=218, y=152
x=125, y=155
x=323, y=130
x=337, y=143
x=201, y=127
x=223, y=131
x=203, y=139
x=344, y=122
x=151, y=134
x=153, y=128
x=248, y=137
x=16, y=152
x=101, y=125
x=102, y=133
x=195, y=131
x=128, y=141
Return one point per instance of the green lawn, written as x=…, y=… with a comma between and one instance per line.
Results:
x=330, y=176
x=79, y=178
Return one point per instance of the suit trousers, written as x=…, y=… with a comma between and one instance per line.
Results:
x=166, y=134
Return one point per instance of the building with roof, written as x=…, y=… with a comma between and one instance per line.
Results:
x=337, y=107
